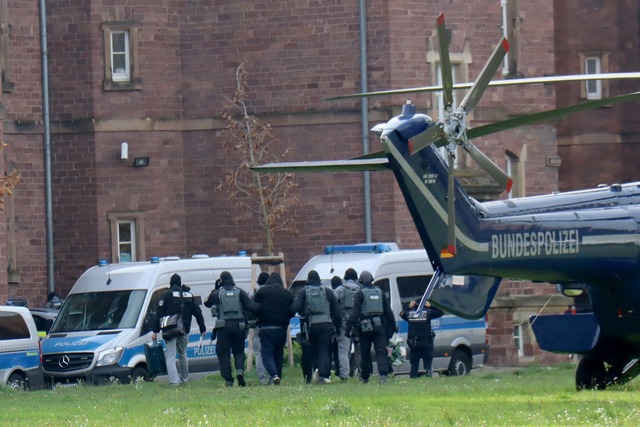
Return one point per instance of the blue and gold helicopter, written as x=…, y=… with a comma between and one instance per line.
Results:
x=587, y=242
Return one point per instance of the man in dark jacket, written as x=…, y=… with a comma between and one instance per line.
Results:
x=371, y=316
x=273, y=319
x=231, y=326
x=419, y=336
x=321, y=317
x=178, y=300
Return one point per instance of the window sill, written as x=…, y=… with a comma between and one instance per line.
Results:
x=135, y=84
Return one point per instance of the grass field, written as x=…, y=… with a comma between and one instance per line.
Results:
x=531, y=396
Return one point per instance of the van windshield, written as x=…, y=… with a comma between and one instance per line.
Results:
x=99, y=311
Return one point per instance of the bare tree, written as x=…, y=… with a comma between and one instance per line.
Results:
x=268, y=195
x=7, y=182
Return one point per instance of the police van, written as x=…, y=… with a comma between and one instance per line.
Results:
x=20, y=363
x=99, y=334
x=459, y=344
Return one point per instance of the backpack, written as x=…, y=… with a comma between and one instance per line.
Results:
x=316, y=305
x=230, y=307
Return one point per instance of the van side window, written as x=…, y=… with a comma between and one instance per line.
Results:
x=411, y=288
x=151, y=316
x=384, y=286
x=13, y=327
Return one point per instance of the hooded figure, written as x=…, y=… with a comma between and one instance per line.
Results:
x=273, y=320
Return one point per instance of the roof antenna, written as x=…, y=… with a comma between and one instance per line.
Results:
x=109, y=275
x=332, y=269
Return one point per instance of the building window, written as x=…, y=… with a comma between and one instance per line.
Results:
x=510, y=30
x=5, y=31
x=513, y=170
x=120, y=60
x=121, y=56
x=592, y=63
x=593, y=87
x=127, y=236
x=518, y=339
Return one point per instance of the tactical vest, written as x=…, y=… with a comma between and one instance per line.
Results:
x=372, y=302
x=230, y=307
x=317, y=308
x=346, y=297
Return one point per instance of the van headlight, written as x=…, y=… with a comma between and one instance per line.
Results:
x=109, y=357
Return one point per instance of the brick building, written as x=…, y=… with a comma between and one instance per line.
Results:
x=157, y=74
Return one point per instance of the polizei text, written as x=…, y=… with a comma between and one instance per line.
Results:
x=535, y=243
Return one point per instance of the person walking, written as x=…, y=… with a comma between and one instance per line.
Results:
x=231, y=326
x=261, y=372
x=320, y=317
x=345, y=294
x=273, y=320
x=371, y=315
x=178, y=300
x=419, y=336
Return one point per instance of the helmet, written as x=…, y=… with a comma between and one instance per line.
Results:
x=366, y=278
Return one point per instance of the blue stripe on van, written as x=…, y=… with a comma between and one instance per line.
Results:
x=25, y=358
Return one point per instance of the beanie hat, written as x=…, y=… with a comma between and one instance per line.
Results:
x=313, y=276
x=335, y=282
x=350, y=274
x=176, y=280
x=262, y=278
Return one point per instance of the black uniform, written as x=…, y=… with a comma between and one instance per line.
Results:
x=375, y=326
x=317, y=327
x=420, y=338
x=232, y=334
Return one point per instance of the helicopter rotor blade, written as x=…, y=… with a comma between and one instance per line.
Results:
x=445, y=62
x=487, y=164
x=485, y=76
x=496, y=83
x=434, y=134
x=548, y=115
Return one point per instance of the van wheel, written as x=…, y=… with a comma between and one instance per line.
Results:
x=460, y=364
x=139, y=373
x=17, y=382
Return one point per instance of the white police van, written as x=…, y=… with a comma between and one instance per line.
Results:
x=20, y=362
x=459, y=344
x=100, y=331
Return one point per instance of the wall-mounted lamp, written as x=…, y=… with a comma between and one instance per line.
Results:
x=138, y=162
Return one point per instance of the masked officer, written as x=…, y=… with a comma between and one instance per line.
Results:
x=371, y=316
x=231, y=326
x=420, y=336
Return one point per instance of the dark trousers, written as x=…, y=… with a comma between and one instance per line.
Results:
x=422, y=350
x=316, y=350
x=272, y=341
x=230, y=340
x=377, y=338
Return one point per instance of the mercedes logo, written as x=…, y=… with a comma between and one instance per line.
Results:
x=63, y=362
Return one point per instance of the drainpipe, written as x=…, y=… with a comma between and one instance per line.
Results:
x=46, y=122
x=364, y=106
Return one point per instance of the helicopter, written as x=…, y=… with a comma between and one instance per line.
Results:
x=586, y=242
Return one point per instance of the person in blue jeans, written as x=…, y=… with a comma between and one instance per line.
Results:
x=273, y=321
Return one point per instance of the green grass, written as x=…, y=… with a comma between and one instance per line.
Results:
x=531, y=396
